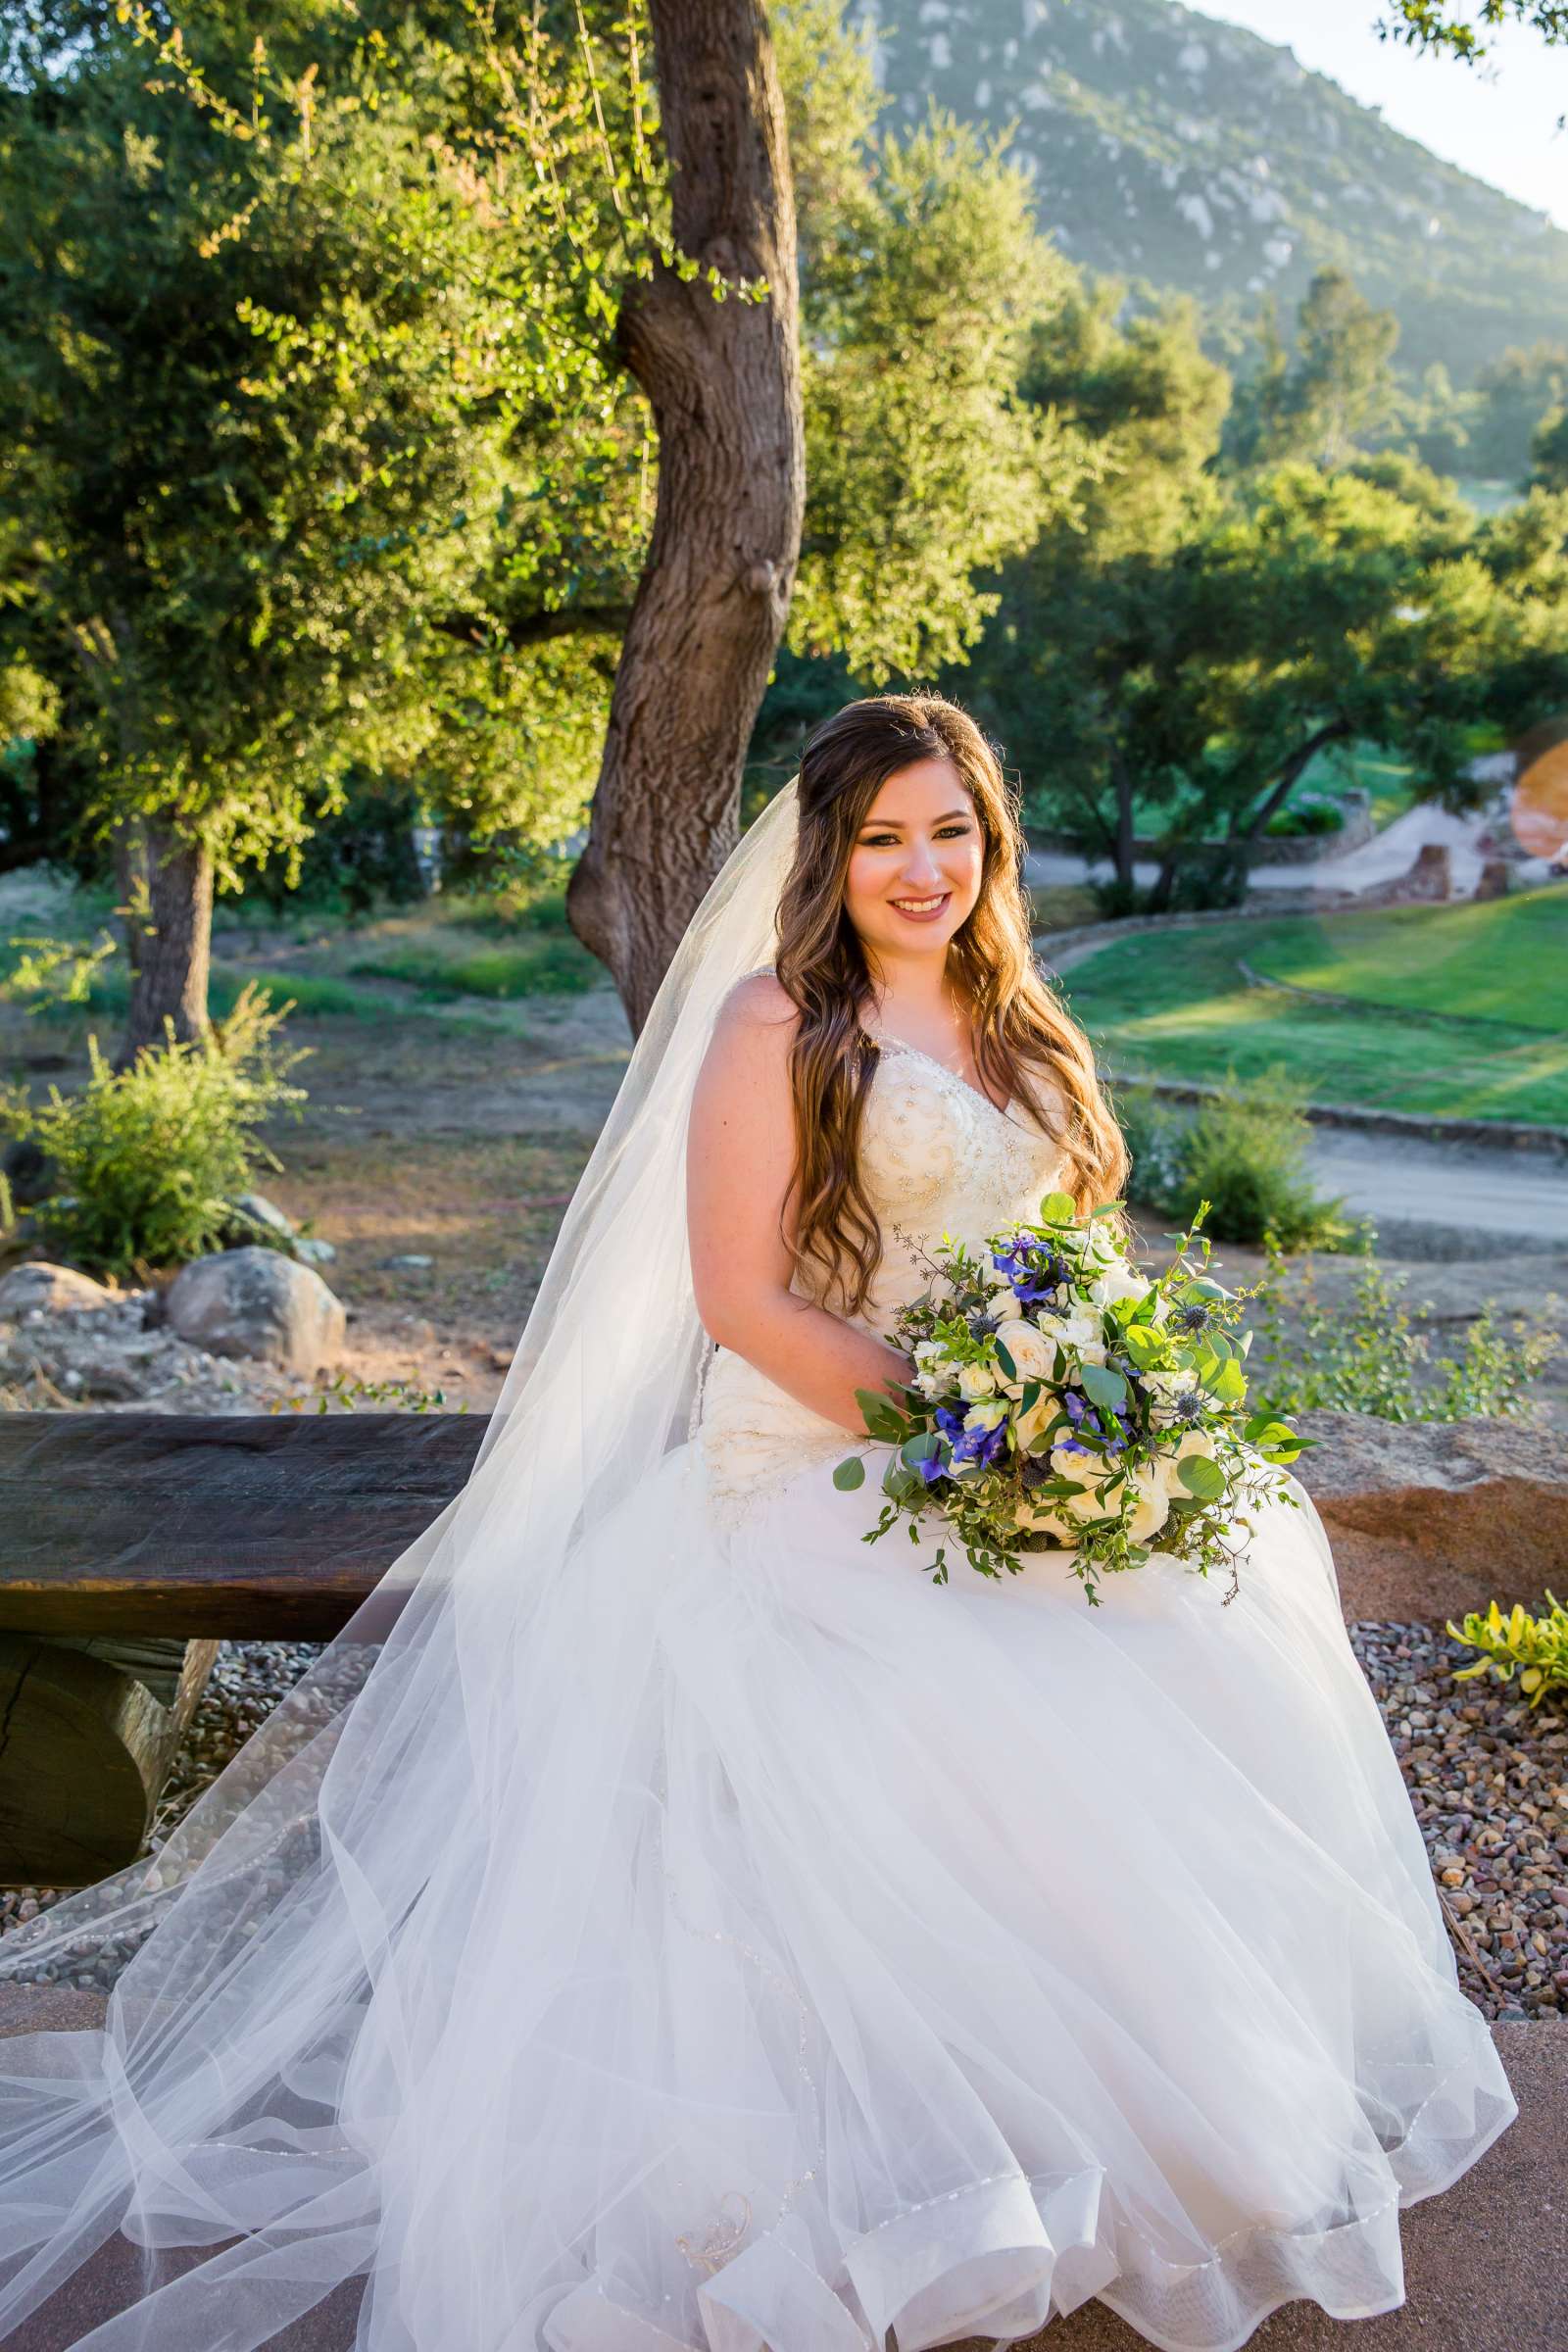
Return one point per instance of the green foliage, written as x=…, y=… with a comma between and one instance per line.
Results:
x=1304, y=816
x=1460, y=26
x=1548, y=451
x=1337, y=393
x=52, y=972
x=920, y=272
x=1244, y=1150
x=146, y=1159
x=1179, y=662
x=1538, y=1647
x=345, y=1392
x=1374, y=1354
x=540, y=963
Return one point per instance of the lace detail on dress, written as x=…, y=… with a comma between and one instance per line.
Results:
x=937, y=1157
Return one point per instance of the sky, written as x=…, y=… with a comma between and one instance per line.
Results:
x=1497, y=120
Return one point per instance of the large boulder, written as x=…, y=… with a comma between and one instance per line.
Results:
x=257, y=1302
x=38, y=1287
x=1431, y=1518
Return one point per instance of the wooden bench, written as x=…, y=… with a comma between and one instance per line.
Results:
x=131, y=1544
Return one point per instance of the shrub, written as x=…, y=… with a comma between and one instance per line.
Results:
x=146, y=1159
x=1305, y=816
x=1537, y=1646
x=1243, y=1151
x=1373, y=1356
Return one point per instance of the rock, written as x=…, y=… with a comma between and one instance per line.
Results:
x=257, y=1302
x=1433, y=1518
x=314, y=1251
x=250, y=1210
x=40, y=1287
x=411, y=1261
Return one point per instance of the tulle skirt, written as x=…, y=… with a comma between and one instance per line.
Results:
x=829, y=1952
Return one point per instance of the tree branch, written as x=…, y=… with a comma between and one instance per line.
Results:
x=534, y=629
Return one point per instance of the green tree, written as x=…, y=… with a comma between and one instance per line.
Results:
x=1336, y=393
x=1086, y=614
x=1548, y=451
x=1190, y=681
x=254, y=472
x=1513, y=394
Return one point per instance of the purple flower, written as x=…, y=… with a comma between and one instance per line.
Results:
x=982, y=1445
x=1031, y=1270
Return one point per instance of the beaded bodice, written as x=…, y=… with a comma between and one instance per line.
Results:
x=936, y=1158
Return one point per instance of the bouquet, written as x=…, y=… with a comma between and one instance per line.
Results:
x=1063, y=1401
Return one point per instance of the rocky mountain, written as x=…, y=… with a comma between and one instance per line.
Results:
x=1169, y=148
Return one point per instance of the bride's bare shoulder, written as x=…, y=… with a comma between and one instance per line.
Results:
x=759, y=1003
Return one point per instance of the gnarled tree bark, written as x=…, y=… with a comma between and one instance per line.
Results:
x=724, y=383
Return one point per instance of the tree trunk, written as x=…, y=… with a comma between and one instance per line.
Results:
x=166, y=885
x=1333, y=730
x=1126, y=853
x=724, y=384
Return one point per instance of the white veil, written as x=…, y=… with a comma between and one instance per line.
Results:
x=251, y=1947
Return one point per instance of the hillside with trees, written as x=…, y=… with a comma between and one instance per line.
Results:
x=1167, y=147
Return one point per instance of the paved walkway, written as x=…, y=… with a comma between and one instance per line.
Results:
x=1485, y=2261
x=1427, y=1191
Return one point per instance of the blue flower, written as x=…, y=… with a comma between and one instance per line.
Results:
x=1031, y=1271
x=980, y=1445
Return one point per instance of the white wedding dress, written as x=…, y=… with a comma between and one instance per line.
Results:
x=773, y=1947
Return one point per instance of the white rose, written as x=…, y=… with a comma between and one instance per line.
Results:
x=1084, y=1469
x=1118, y=1281
x=1002, y=1306
x=1081, y=1334
x=976, y=1381
x=989, y=1415
x=1032, y=1354
x=1197, y=1440
x=1153, y=1507
x=1193, y=1441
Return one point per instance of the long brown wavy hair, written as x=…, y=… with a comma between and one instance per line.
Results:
x=1022, y=1031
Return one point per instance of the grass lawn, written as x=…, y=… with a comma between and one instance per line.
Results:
x=1174, y=1004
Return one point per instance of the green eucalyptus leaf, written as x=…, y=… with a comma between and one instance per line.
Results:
x=1102, y=1385
x=849, y=1474
x=1201, y=1477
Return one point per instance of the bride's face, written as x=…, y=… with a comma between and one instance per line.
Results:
x=914, y=870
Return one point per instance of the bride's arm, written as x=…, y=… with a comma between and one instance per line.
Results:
x=740, y=1151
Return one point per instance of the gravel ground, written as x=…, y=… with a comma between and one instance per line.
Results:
x=1487, y=1778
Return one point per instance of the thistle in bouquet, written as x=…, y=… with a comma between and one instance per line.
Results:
x=1065, y=1401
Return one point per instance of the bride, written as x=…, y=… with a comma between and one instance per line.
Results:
x=661, y=1919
